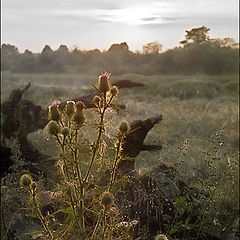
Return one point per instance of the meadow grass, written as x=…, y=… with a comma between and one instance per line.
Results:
x=199, y=130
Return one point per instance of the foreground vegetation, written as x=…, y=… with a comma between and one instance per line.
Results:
x=199, y=134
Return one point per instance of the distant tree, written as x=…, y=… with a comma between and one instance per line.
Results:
x=62, y=50
x=46, y=58
x=46, y=50
x=26, y=62
x=196, y=35
x=10, y=54
x=119, y=48
x=152, y=48
x=225, y=42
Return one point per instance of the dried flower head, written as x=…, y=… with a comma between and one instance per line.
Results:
x=70, y=108
x=25, y=180
x=124, y=127
x=55, y=103
x=54, y=113
x=114, y=91
x=104, y=83
x=53, y=128
x=80, y=106
x=107, y=199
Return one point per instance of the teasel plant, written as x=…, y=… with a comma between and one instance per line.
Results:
x=66, y=126
x=30, y=186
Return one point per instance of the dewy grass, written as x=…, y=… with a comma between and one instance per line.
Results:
x=199, y=135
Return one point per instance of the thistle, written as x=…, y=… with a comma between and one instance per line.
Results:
x=26, y=180
x=79, y=116
x=70, y=108
x=124, y=127
x=104, y=83
x=53, y=128
x=54, y=113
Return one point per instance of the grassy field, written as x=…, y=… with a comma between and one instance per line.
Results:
x=199, y=130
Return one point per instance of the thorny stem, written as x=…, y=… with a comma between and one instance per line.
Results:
x=104, y=222
x=98, y=139
x=42, y=219
x=115, y=162
x=96, y=228
x=80, y=182
x=69, y=188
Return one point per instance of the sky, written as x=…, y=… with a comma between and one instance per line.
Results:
x=90, y=24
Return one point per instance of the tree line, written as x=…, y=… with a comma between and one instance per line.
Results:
x=198, y=53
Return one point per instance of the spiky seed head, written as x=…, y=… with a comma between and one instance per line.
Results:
x=25, y=180
x=124, y=127
x=160, y=237
x=80, y=106
x=107, y=199
x=104, y=84
x=70, y=108
x=53, y=128
x=79, y=118
x=54, y=113
x=114, y=91
x=65, y=131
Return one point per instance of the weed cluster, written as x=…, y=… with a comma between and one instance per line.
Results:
x=90, y=216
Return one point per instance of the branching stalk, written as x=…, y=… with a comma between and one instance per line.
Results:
x=115, y=162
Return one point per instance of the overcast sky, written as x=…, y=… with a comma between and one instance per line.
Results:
x=89, y=24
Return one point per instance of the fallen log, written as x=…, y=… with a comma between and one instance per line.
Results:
x=126, y=83
x=134, y=142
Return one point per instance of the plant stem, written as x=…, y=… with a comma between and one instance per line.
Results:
x=42, y=219
x=115, y=162
x=104, y=221
x=96, y=228
x=97, y=142
x=81, y=207
x=68, y=177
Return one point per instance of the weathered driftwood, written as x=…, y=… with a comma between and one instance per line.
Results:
x=134, y=142
x=20, y=117
x=126, y=83
x=88, y=99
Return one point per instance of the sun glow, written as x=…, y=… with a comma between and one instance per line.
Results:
x=155, y=13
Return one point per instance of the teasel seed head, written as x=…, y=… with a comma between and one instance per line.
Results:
x=70, y=108
x=26, y=180
x=104, y=84
x=53, y=128
x=124, y=127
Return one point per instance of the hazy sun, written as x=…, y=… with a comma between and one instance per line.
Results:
x=140, y=15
